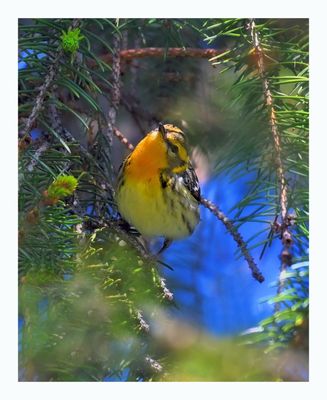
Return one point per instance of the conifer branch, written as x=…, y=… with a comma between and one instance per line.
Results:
x=64, y=133
x=144, y=326
x=69, y=138
x=134, y=241
x=272, y=118
x=48, y=80
x=286, y=236
x=236, y=236
x=41, y=96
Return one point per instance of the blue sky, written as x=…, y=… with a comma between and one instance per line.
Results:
x=229, y=296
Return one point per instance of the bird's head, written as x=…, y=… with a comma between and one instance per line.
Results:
x=175, y=146
x=164, y=148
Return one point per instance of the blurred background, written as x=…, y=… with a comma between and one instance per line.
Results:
x=91, y=308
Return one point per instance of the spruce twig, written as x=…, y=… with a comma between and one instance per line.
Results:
x=236, y=236
x=69, y=138
x=115, y=90
x=286, y=236
x=272, y=119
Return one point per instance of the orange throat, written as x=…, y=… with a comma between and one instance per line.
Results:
x=148, y=157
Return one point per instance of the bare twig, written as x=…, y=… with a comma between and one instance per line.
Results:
x=114, y=98
x=115, y=90
x=236, y=236
x=41, y=96
x=44, y=147
x=123, y=139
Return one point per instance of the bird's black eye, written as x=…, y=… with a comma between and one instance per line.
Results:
x=173, y=148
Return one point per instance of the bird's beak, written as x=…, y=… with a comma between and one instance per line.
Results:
x=162, y=129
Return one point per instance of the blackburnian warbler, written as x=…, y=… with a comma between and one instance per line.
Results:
x=157, y=190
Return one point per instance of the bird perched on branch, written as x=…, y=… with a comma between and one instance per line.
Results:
x=157, y=190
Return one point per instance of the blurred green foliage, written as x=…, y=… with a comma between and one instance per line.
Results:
x=87, y=324
x=226, y=361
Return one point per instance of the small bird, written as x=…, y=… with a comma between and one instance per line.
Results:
x=157, y=189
